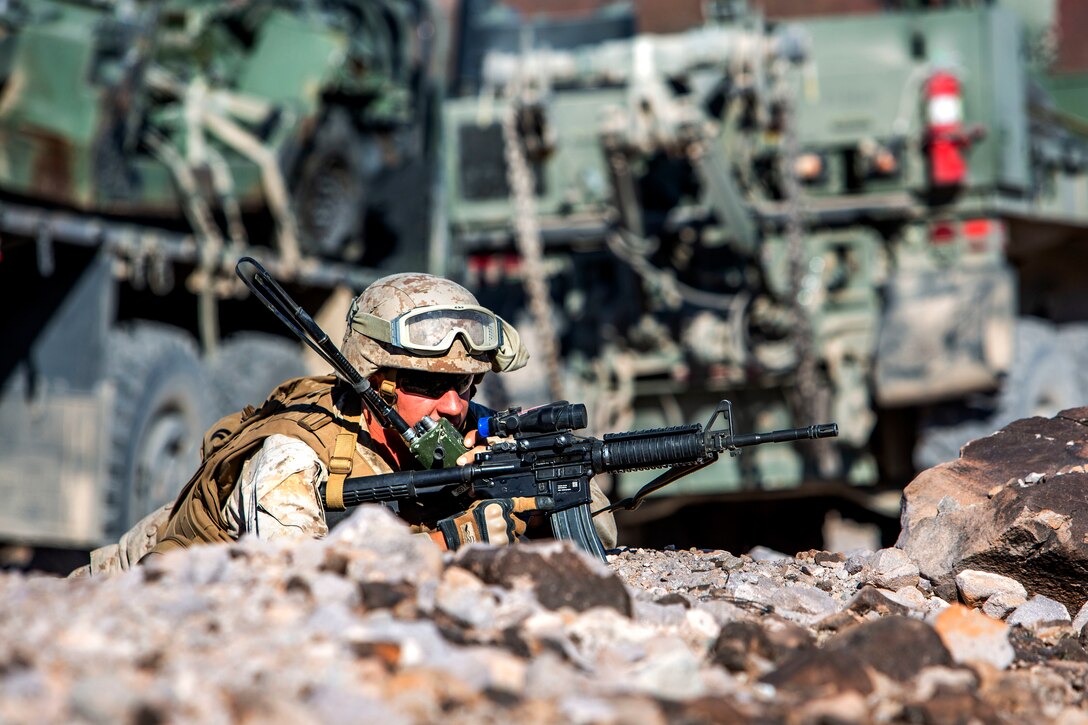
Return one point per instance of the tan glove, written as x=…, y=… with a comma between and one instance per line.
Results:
x=492, y=521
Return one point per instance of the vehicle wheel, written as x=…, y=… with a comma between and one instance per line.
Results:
x=944, y=433
x=162, y=409
x=249, y=365
x=1044, y=379
x=328, y=192
x=1073, y=338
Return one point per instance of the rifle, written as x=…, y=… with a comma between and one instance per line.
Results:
x=542, y=457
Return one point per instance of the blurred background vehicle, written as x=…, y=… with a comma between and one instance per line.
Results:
x=865, y=211
x=875, y=216
x=144, y=147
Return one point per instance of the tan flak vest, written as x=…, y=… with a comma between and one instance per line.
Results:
x=302, y=408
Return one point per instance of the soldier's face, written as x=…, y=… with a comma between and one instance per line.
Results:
x=433, y=395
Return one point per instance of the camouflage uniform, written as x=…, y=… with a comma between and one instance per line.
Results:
x=277, y=492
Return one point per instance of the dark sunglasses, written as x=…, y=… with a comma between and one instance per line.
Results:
x=432, y=385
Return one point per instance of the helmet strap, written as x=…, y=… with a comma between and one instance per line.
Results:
x=388, y=388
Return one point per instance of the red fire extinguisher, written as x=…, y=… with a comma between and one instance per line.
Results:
x=946, y=140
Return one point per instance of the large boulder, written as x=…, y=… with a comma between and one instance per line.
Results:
x=1012, y=504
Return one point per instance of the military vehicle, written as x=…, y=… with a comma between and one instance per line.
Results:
x=144, y=147
x=874, y=219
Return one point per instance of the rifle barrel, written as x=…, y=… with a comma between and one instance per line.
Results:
x=822, y=430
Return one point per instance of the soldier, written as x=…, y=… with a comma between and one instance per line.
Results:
x=425, y=344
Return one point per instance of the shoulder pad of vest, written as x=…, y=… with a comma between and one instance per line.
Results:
x=296, y=390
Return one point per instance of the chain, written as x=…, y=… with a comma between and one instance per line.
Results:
x=812, y=398
x=519, y=177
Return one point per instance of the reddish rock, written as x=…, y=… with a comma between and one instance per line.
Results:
x=845, y=662
x=973, y=637
x=742, y=647
x=707, y=710
x=868, y=599
x=1032, y=650
x=951, y=706
x=561, y=576
x=1012, y=504
x=818, y=673
x=914, y=643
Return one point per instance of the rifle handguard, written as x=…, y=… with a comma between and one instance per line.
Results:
x=654, y=448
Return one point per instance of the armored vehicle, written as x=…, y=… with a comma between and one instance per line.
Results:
x=874, y=219
x=144, y=147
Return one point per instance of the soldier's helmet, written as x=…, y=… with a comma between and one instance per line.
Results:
x=418, y=321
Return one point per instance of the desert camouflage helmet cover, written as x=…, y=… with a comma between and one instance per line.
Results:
x=396, y=294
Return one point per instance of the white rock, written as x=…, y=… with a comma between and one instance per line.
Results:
x=763, y=553
x=722, y=611
x=892, y=569
x=1071, y=716
x=702, y=624
x=385, y=549
x=1037, y=611
x=464, y=597
x=803, y=603
x=978, y=586
x=1082, y=617
x=585, y=710
x=751, y=587
x=946, y=504
x=669, y=670
x=908, y=596
x=999, y=605
x=661, y=615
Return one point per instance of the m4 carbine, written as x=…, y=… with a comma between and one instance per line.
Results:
x=542, y=457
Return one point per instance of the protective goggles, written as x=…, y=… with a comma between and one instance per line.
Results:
x=432, y=329
x=432, y=385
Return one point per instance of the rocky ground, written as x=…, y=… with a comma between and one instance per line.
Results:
x=981, y=620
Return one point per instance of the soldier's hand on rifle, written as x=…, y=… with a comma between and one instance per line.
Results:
x=473, y=448
x=494, y=521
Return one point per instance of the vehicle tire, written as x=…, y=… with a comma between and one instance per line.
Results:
x=249, y=365
x=1073, y=338
x=945, y=431
x=162, y=409
x=1044, y=378
x=328, y=190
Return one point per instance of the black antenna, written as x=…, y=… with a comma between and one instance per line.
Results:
x=290, y=313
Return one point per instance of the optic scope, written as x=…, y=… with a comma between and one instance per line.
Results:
x=549, y=418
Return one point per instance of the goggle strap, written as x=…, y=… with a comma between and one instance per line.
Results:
x=373, y=327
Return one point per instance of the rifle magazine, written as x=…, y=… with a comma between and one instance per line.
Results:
x=576, y=524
